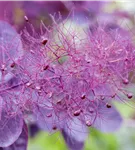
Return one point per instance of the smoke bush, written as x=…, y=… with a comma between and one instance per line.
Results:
x=66, y=77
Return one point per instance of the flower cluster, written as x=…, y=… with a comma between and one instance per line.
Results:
x=66, y=78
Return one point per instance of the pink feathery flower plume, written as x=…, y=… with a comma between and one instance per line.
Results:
x=65, y=77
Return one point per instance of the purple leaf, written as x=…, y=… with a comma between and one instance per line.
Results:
x=10, y=43
x=108, y=119
x=94, y=7
x=21, y=142
x=10, y=128
x=47, y=119
x=75, y=134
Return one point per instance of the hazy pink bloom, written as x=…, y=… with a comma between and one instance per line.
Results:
x=66, y=77
x=74, y=76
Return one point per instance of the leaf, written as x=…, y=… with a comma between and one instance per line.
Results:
x=10, y=128
x=10, y=43
x=75, y=134
x=21, y=142
x=108, y=119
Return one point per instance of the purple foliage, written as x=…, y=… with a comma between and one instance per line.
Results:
x=94, y=7
x=11, y=117
x=10, y=128
x=21, y=142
